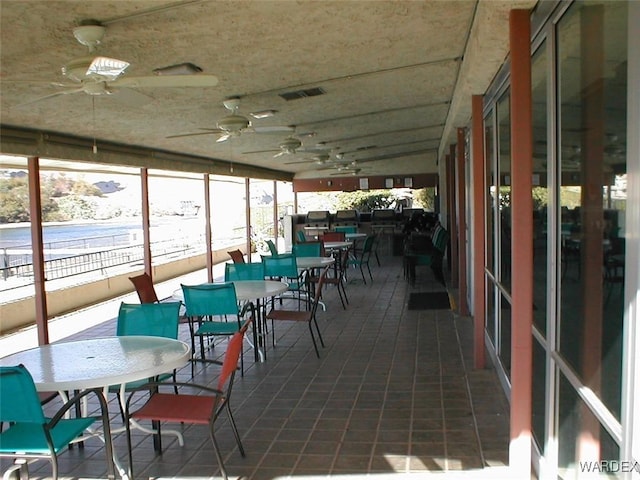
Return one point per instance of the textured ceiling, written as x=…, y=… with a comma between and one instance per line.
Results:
x=397, y=75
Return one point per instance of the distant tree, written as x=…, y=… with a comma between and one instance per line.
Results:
x=365, y=201
x=82, y=187
x=77, y=207
x=425, y=198
x=14, y=201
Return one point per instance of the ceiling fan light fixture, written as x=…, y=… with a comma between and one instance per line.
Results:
x=263, y=114
x=106, y=68
x=186, y=68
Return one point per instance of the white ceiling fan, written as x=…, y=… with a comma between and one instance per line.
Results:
x=292, y=145
x=100, y=75
x=319, y=159
x=234, y=125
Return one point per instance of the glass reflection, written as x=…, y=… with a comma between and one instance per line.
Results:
x=592, y=87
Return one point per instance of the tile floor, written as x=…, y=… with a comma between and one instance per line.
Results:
x=394, y=394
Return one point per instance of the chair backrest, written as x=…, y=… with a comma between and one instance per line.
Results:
x=318, y=292
x=19, y=401
x=368, y=244
x=301, y=236
x=334, y=237
x=210, y=299
x=280, y=266
x=346, y=229
x=237, y=256
x=243, y=271
x=439, y=238
x=145, y=289
x=272, y=247
x=307, y=249
x=153, y=319
x=230, y=361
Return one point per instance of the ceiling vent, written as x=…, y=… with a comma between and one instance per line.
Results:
x=309, y=92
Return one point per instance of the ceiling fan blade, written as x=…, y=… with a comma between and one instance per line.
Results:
x=209, y=131
x=281, y=154
x=46, y=97
x=300, y=161
x=224, y=138
x=261, y=151
x=271, y=129
x=175, y=81
x=131, y=97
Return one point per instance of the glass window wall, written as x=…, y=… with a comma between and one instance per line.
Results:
x=176, y=215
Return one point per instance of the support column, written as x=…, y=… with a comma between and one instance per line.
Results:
x=461, y=214
x=276, y=219
x=452, y=223
x=521, y=242
x=146, y=222
x=477, y=228
x=37, y=250
x=207, y=226
x=247, y=213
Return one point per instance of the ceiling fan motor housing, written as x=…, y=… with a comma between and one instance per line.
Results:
x=233, y=123
x=76, y=69
x=290, y=144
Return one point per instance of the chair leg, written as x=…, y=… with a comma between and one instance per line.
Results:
x=318, y=330
x=216, y=450
x=362, y=273
x=313, y=339
x=370, y=276
x=344, y=307
x=235, y=429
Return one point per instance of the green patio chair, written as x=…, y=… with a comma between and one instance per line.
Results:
x=308, y=249
x=345, y=228
x=243, y=271
x=213, y=311
x=362, y=258
x=285, y=268
x=30, y=435
x=147, y=319
x=272, y=247
x=301, y=236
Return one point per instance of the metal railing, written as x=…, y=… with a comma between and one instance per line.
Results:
x=16, y=263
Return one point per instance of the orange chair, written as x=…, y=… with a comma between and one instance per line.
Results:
x=333, y=237
x=237, y=256
x=145, y=289
x=305, y=316
x=191, y=408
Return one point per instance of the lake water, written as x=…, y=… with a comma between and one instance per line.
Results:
x=15, y=237
x=107, y=234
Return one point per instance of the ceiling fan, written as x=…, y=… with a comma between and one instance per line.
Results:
x=234, y=125
x=100, y=75
x=292, y=145
x=319, y=159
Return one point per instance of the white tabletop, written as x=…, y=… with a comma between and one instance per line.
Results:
x=100, y=362
x=337, y=245
x=314, y=262
x=318, y=227
x=250, y=289
x=354, y=236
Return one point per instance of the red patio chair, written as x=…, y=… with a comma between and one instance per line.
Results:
x=191, y=408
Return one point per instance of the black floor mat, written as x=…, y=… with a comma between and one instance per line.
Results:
x=429, y=301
